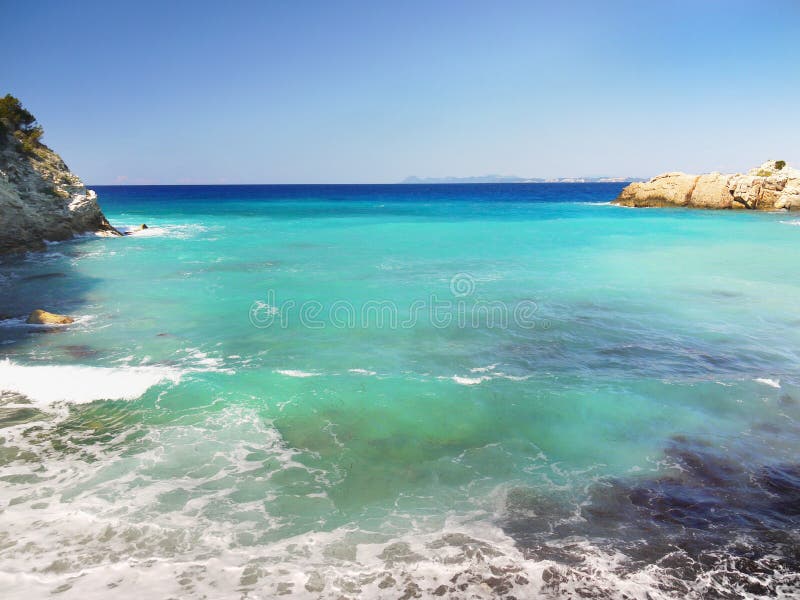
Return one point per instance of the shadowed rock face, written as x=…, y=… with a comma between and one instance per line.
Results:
x=772, y=186
x=40, y=199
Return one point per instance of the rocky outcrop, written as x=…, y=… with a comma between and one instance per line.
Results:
x=141, y=227
x=40, y=199
x=42, y=317
x=772, y=186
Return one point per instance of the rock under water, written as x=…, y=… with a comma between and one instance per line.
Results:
x=716, y=527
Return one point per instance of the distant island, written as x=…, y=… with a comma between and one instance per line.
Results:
x=515, y=179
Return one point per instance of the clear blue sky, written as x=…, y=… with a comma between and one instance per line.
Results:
x=312, y=92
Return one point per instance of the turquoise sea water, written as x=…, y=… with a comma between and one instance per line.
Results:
x=403, y=391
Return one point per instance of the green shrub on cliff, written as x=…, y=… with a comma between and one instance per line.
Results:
x=14, y=114
x=16, y=118
x=779, y=164
x=29, y=138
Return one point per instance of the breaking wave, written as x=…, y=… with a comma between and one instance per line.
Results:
x=47, y=384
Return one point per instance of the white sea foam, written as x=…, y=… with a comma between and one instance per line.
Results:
x=470, y=380
x=470, y=560
x=46, y=384
x=44, y=257
x=513, y=377
x=361, y=372
x=149, y=232
x=477, y=380
x=14, y=322
x=181, y=231
x=189, y=360
x=775, y=383
x=485, y=369
x=487, y=373
x=202, y=359
x=296, y=373
x=795, y=222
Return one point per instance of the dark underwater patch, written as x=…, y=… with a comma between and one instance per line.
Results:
x=79, y=351
x=41, y=276
x=714, y=527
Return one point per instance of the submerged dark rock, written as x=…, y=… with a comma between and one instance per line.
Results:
x=80, y=351
x=713, y=526
x=43, y=276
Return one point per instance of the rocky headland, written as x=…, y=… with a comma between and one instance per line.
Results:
x=40, y=198
x=772, y=186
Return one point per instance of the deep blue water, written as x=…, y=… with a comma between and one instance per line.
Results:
x=537, y=192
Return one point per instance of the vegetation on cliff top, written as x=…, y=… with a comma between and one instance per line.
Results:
x=17, y=120
x=40, y=198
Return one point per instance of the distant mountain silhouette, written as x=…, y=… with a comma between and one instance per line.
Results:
x=515, y=179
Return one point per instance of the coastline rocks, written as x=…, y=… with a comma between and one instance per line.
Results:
x=40, y=198
x=141, y=227
x=772, y=186
x=42, y=317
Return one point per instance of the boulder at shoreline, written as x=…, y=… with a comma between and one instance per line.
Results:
x=141, y=227
x=42, y=317
x=772, y=186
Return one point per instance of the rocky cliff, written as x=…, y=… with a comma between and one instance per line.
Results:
x=772, y=186
x=40, y=199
